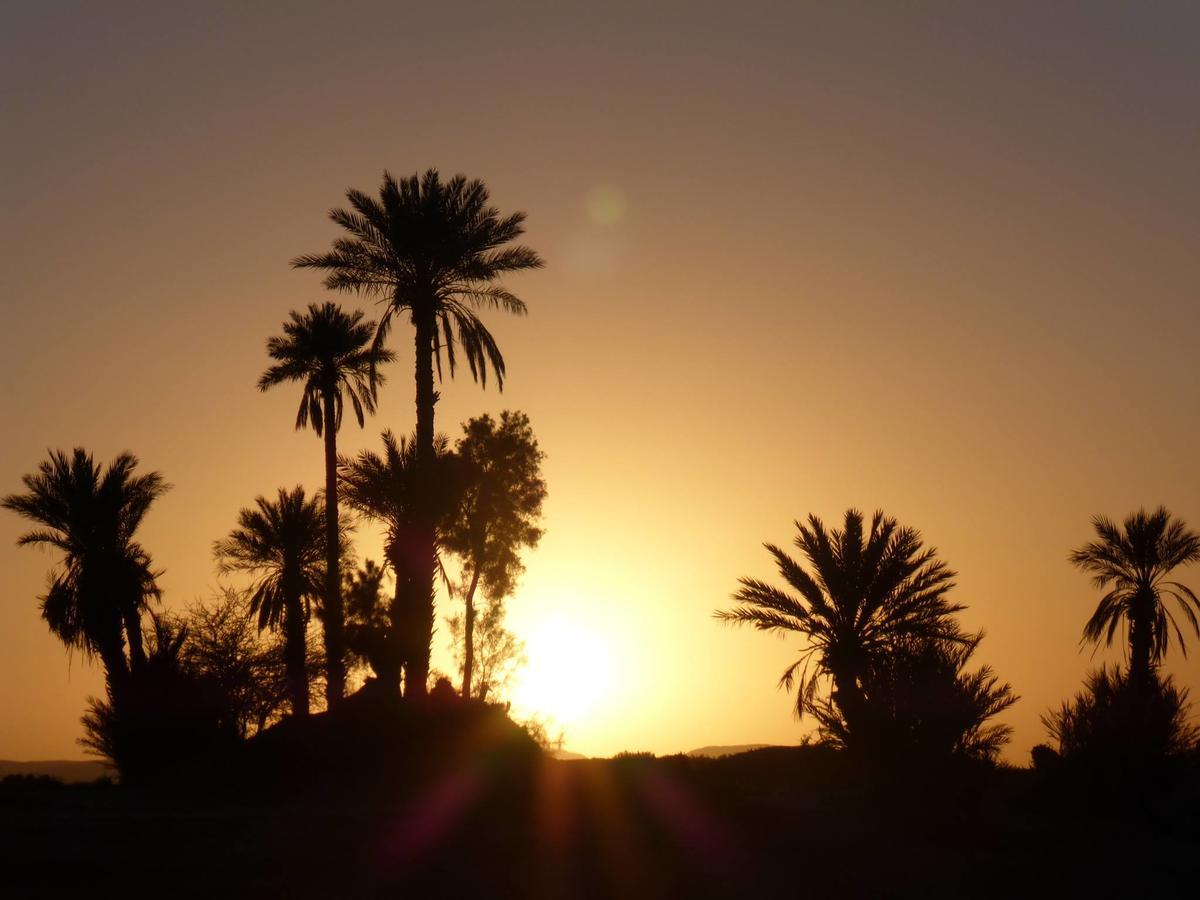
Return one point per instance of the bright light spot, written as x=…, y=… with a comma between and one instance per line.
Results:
x=569, y=671
x=606, y=205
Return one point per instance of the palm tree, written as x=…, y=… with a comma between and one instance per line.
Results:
x=1133, y=565
x=862, y=595
x=434, y=250
x=106, y=578
x=282, y=544
x=331, y=352
x=394, y=490
x=924, y=702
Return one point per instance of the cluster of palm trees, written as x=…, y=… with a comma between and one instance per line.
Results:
x=873, y=604
x=425, y=248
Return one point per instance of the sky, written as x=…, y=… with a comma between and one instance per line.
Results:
x=939, y=260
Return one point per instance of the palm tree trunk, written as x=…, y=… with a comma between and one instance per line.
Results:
x=424, y=324
x=1140, y=641
x=296, y=653
x=469, y=635
x=133, y=634
x=335, y=665
x=848, y=697
x=116, y=669
x=393, y=665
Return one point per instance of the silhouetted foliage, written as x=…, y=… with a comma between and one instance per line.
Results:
x=105, y=578
x=1114, y=721
x=368, y=626
x=332, y=354
x=226, y=647
x=868, y=595
x=163, y=718
x=396, y=491
x=1133, y=565
x=434, y=250
x=281, y=543
x=502, y=495
x=498, y=652
x=919, y=701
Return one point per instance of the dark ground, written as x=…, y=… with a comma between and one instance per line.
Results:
x=487, y=815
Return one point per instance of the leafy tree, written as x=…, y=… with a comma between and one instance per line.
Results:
x=281, y=543
x=105, y=578
x=396, y=490
x=1133, y=564
x=434, y=251
x=864, y=594
x=330, y=352
x=498, y=652
x=502, y=497
x=225, y=646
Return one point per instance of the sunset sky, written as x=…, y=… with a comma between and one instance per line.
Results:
x=941, y=260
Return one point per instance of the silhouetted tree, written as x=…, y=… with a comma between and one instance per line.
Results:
x=435, y=251
x=105, y=578
x=281, y=544
x=921, y=702
x=1133, y=564
x=167, y=716
x=865, y=595
x=226, y=647
x=330, y=351
x=1112, y=721
x=396, y=490
x=502, y=497
x=368, y=625
x=498, y=652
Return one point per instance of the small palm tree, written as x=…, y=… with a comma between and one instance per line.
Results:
x=924, y=702
x=433, y=250
x=331, y=353
x=282, y=544
x=106, y=577
x=1133, y=565
x=863, y=594
x=395, y=491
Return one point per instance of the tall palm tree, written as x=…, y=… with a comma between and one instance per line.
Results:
x=106, y=577
x=395, y=491
x=282, y=544
x=1133, y=565
x=862, y=595
x=330, y=351
x=434, y=250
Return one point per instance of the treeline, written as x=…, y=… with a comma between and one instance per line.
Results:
x=886, y=671
x=430, y=252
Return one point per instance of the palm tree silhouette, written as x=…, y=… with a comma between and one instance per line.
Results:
x=281, y=543
x=105, y=578
x=434, y=250
x=865, y=593
x=1133, y=565
x=396, y=491
x=331, y=353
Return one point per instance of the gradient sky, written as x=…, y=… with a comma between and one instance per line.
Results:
x=941, y=260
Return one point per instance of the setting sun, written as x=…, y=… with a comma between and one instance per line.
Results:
x=569, y=672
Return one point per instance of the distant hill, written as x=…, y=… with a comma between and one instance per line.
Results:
x=567, y=754
x=718, y=750
x=67, y=770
